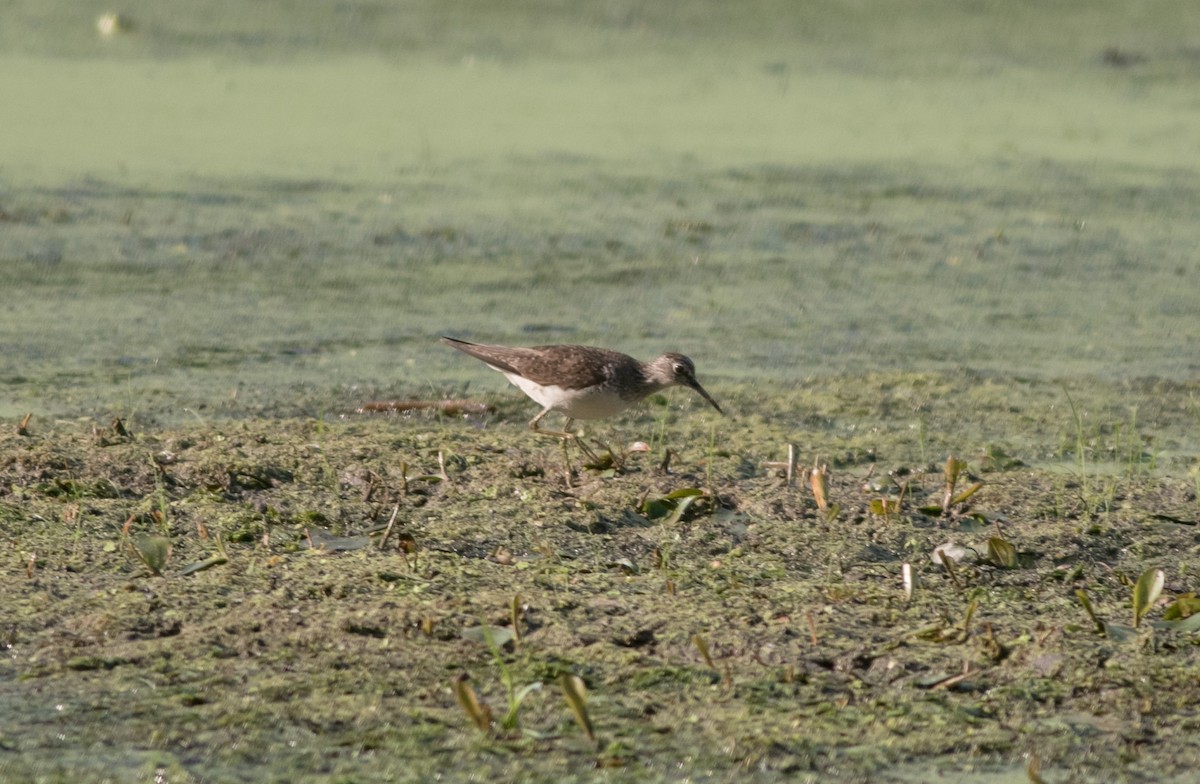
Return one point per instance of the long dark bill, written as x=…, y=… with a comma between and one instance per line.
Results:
x=694, y=384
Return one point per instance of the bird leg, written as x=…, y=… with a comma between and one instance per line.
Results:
x=533, y=425
x=565, y=434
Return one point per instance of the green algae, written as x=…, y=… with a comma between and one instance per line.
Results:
x=222, y=215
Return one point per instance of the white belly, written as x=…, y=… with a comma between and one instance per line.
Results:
x=587, y=404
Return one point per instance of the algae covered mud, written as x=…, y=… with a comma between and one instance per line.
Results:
x=887, y=238
x=403, y=599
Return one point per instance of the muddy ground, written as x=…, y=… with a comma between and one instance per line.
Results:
x=743, y=634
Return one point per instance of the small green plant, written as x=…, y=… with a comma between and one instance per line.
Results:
x=1002, y=553
x=1146, y=592
x=1081, y=449
x=575, y=693
x=152, y=550
x=943, y=633
x=659, y=436
x=702, y=646
x=951, y=473
x=477, y=711
x=1092, y=498
x=968, y=616
x=1086, y=603
x=884, y=507
x=671, y=508
x=515, y=611
x=948, y=563
x=1184, y=613
x=495, y=638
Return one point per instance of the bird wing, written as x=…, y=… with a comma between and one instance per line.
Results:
x=585, y=366
x=574, y=367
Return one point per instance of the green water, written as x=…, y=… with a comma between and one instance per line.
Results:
x=221, y=208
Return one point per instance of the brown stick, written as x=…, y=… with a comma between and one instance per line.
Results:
x=447, y=407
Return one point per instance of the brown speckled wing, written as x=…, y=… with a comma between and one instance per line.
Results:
x=572, y=367
x=575, y=367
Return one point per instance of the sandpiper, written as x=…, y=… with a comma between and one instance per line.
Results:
x=581, y=381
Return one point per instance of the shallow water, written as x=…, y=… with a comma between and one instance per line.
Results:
x=218, y=210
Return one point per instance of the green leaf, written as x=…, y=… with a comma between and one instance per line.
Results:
x=479, y=713
x=656, y=509
x=200, y=566
x=684, y=492
x=884, y=507
x=671, y=508
x=1146, y=592
x=1002, y=553
x=321, y=539
x=1086, y=603
x=965, y=494
x=154, y=551
x=575, y=694
x=512, y=719
x=954, y=467
x=500, y=635
x=1183, y=607
x=525, y=691
x=1188, y=624
x=681, y=508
